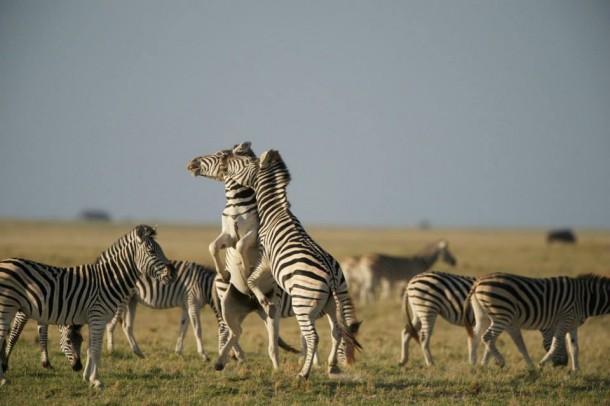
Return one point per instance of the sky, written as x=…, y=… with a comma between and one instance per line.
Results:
x=388, y=113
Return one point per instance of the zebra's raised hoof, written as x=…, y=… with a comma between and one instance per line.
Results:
x=218, y=366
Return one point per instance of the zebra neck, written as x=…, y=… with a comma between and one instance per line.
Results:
x=427, y=260
x=596, y=297
x=120, y=273
x=240, y=199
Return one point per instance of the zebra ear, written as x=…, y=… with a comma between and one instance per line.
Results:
x=268, y=157
x=241, y=148
x=442, y=244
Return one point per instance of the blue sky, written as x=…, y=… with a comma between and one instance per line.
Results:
x=469, y=113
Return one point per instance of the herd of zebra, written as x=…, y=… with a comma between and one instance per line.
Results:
x=273, y=267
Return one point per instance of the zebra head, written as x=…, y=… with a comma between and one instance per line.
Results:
x=214, y=166
x=444, y=254
x=70, y=342
x=149, y=257
x=238, y=164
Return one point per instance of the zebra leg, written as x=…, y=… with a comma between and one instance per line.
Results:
x=130, y=315
x=481, y=324
x=489, y=338
x=242, y=246
x=559, y=340
x=43, y=334
x=316, y=360
x=335, y=334
x=181, y=331
x=193, y=312
x=561, y=357
x=221, y=242
x=406, y=337
x=233, y=312
x=253, y=280
x=386, y=288
x=515, y=334
x=573, y=346
x=96, y=335
x=273, y=328
x=16, y=328
x=425, y=333
x=118, y=317
x=5, y=322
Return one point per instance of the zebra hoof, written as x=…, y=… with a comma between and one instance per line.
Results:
x=47, y=365
x=333, y=370
x=97, y=385
x=4, y=381
x=4, y=367
x=219, y=366
x=78, y=366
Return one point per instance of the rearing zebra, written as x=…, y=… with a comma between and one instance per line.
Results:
x=512, y=302
x=433, y=293
x=299, y=266
x=84, y=294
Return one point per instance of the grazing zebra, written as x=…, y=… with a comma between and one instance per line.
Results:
x=191, y=290
x=385, y=270
x=351, y=272
x=69, y=343
x=83, y=294
x=511, y=302
x=299, y=266
x=434, y=293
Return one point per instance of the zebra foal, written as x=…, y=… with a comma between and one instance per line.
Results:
x=511, y=302
x=299, y=266
x=434, y=293
x=83, y=294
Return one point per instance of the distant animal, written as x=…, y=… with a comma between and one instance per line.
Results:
x=291, y=257
x=84, y=294
x=385, y=271
x=434, y=293
x=563, y=235
x=511, y=302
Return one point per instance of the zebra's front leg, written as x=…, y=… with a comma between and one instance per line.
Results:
x=130, y=315
x=181, y=332
x=43, y=335
x=221, y=242
x=515, y=334
x=193, y=312
x=96, y=335
x=118, y=317
x=253, y=282
x=232, y=314
x=573, y=346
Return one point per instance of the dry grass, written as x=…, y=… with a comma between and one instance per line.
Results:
x=165, y=378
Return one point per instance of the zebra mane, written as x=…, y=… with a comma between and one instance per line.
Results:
x=272, y=159
x=141, y=231
x=593, y=277
x=431, y=248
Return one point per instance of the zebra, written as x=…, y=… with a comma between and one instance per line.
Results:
x=511, y=302
x=290, y=256
x=239, y=236
x=191, y=290
x=83, y=294
x=386, y=270
x=435, y=293
x=69, y=343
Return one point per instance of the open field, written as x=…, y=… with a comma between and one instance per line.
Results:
x=165, y=378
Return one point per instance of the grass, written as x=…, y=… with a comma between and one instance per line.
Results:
x=164, y=378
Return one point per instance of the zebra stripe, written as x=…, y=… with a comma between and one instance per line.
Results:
x=298, y=264
x=511, y=302
x=434, y=293
x=191, y=290
x=84, y=294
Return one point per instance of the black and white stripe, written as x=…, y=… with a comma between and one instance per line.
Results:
x=84, y=294
x=299, y=266
x=432, y=294
x=511, y=302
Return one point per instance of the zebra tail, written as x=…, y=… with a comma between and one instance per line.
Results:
x=409, y=327
x=467, y=309
x=286, y=347
x=348, y=333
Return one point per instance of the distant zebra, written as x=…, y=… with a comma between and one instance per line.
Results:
x=298, y=264
x=512, y=303
x=83, y=294
x=385, y=270
x=434, y=293
x=562, y=235
x=69, y=343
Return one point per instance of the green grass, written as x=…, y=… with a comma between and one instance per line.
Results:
x=165, y=378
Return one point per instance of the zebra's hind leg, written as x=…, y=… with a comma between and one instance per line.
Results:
x=309, y=333
x=406, y=335
x=335, y=334
x=16, y=328
x=43, y=335
x=234, y=310
x=130, y=315
x=193, y=312
x=515, y=334
x=5, y=322
x=181, y=332
x=425, y=333
x=558, y=342
x=489, y=338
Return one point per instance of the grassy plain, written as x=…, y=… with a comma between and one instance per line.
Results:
x=165, y=378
